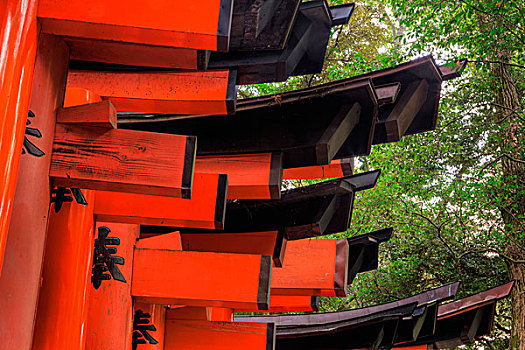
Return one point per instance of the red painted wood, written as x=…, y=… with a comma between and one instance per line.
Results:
x=218, y=335
x=336, y=168
x=101, y=114
x=18, y=35
x=200, y=313
x=313, y=267
x=171, y=276
x=289, y=303
x=62, y=306
x=133, y=54
x=250, y=176
x=121, y=160
x=79, y=96
x=20, y=279
x=110, y=308
x=170, y=241
x=158, y=319
x=155, y=22
x=201, y=211
x=260, y=243
x=181, y=92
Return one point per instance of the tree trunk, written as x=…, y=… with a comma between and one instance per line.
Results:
x=512, y=208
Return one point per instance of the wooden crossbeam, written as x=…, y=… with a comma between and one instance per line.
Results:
x=218, y=335
x=122, y=160
x=101, y=114
x=289, y=123
x=110, y=308
x=250, y=176
x=387, y=94
x=289, y=303
x=309, y=211
x=184, y=92
x=313, y=267
x=205, y=25
x=79, y=96
x=270, y=243
x=171, y=276
x=89, y=53
x=201, y=313
x=336, y=168
x=270, y=30
x=405, y=110
x=205, y=209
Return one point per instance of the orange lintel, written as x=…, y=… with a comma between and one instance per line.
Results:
x=170, y=276
x=155, y=22
x=184, y=92
x=260, y=243
x=289, y=303
x=250, y=176
x=200, y=313
x=122, y=160
x=205, y=209
x=79, y=96
x=101, y=114
x=336, y=168
x=313, y=267
x=136, y=54
x=218, y=335
x=110, y=307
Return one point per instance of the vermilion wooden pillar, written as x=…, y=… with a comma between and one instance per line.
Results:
x=62, y=312
x=157, y=319
x=20, y=279
x=109, y=324
x=18, y=35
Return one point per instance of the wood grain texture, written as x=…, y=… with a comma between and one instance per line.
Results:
x=204, y=335
x=155, y=22
x=166, y=276
x=312, y=267
x=250, y=176
x=336, y=168
x=205, y=209
x=101, y=114
x=110, y=308
x=120, y=160
x=183, y=92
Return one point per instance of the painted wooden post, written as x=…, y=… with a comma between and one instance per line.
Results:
x=21, y=272
x=62, y=311
x=149, y=322
x=18, y=35
x=110, y=308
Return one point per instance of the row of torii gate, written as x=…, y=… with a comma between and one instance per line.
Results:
x=141, y=203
